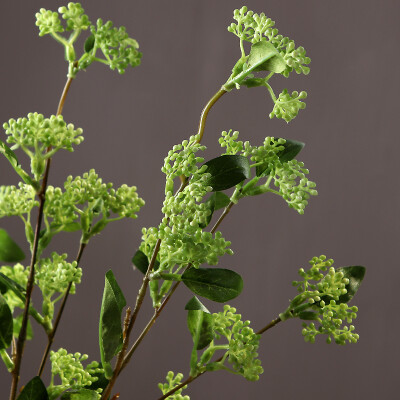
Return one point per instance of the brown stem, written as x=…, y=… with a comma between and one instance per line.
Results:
x=192, y=378
x=31, y=279
x=50, y=336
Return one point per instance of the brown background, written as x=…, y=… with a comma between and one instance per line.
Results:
x=130, y=122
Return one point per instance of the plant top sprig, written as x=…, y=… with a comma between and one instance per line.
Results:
x=118, y=49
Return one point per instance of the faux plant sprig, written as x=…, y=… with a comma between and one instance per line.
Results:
x=118, y=49
x=182, y=248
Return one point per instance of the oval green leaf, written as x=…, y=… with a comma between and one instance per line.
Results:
x=110, y=327
x=195, y=304
x=200, y=325
x=7, y=283
x=227, y=171
x=6, y=324
x=89, y=43
x=216, y=284
x=355, y=274
x=265, y=57
x=215, y=202
x=34, y=390
x=141, y=262
x=10, y=252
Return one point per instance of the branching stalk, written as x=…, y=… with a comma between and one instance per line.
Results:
x=29, y=287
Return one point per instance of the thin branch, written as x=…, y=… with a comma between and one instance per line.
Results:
x=31, y=280
x=50, y=336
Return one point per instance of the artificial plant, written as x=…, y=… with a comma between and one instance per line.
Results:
x=186, y=245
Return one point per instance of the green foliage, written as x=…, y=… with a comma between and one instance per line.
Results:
x=172, y=382
x=71, y=372
x=320, y=300
x=9, y=250
x=19, y=275
x=6, y=324
x=110, y=329
x=34, y=390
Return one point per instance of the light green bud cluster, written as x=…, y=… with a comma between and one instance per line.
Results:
x=294, y=187
x=267, y=153
x=17, y=201
x=230, y=141
x=181, y=160
x=319, y=300
x=333, y=317
x=243, y=342
x=54, y=274
x=118, y=48
x=74, y=17
x=18, y=274
x=48, y=22
x=287, y=106
x=71, y=372
x=253, y=28
x=40, y=138
x=172, y=382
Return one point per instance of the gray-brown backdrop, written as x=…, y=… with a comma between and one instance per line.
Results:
x=130, y=122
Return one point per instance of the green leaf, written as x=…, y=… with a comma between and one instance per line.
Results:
x=308, y=315
x=89, y=43
x=200, y=325
x=227, y=171
x=216, y=284
x=290, y=151
x=195, y=304
x=215, y=202
x=355, y=274
x=265, y=57
x=34, y=390
x=101, y=382
x=141, y=262
x=6, y=324
x=80, y=394
x=9, y=284
x=9, y=250
x=110, y=328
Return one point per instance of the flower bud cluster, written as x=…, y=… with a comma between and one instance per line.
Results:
x=321, y=293
x=54, y=274
x=74, y=17
x=181, y=160
x=287, y=106
x=267, y=153
x=37, y=131
x=120, y=51
x=172, y=382
x=71, y=372
x=333, y=317
x=18, y=274
x=48, y=22
x=243, y=342
x=17, y=201
x=293, y=185
x=230, y=141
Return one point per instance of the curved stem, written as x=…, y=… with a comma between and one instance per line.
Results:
x=31, y=279
x=50, y=336
x=192, y=378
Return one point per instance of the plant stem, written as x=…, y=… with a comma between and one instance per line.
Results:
x=192, y=378
x=50, y=336
x=31, y=280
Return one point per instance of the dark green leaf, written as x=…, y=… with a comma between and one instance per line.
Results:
x=110, y=329
x=216, y=284
x=17, y=323
x=264, y=57
x=227, y=171
x=215, y=202
x=89, y=43
x=355, y=275
x=9, y=250
x=80, y=394
x=308, y=315
x=290, y=151
x=141, y=262
x=101, y=382
x=34, y=390
x=195, y=304
x=200, y=325
x=253, y=82
x=9, y=284
x=6, y=324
